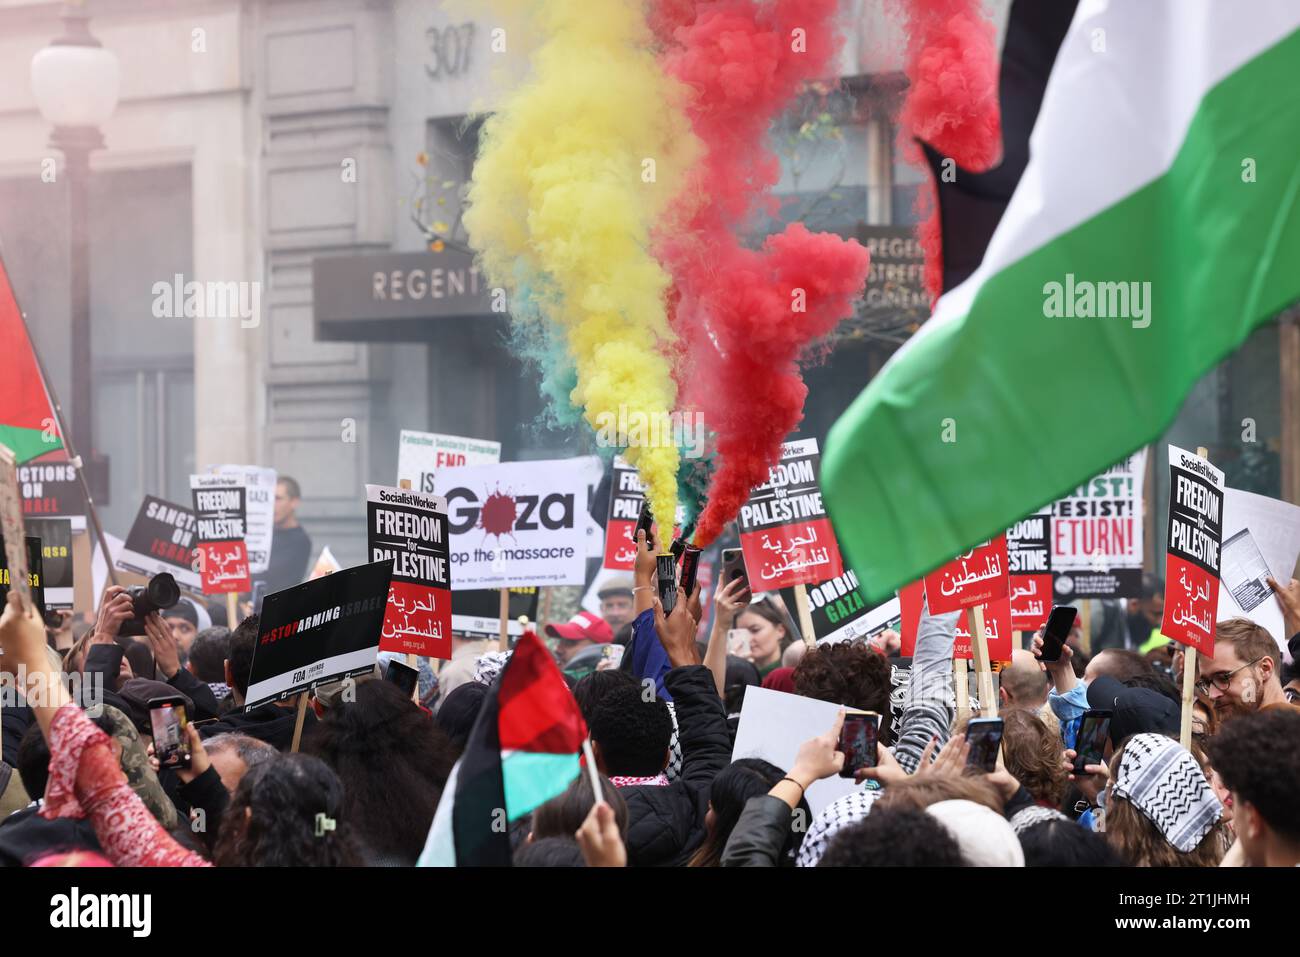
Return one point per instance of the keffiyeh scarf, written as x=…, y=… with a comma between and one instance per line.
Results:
x=1161, y=779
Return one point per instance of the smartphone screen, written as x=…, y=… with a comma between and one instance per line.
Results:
x=167, y=719
x=1058, y=628
x=733, y=565
x=985, y=737
x=402, y=675
x=858, y=742
x=1090, y=741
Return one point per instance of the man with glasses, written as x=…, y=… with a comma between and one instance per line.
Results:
x=1242, y=675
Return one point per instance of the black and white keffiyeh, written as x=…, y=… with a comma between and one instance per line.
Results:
x=839, y=814
x=1027, y=817
x=1160, y=778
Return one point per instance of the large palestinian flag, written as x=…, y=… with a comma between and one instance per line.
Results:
x=522, y=752
x=1155, y=224
x=25, y=409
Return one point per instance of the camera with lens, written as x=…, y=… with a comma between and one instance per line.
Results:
x=162, y=592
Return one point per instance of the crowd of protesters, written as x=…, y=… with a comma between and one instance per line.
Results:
x=81, y=785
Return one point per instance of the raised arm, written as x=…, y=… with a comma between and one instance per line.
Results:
x=930, y=705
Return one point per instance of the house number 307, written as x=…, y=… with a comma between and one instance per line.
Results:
x=448, y=50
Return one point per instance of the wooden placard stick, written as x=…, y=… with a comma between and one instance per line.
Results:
x=805, y=615
x=297, y=724
x=980, y=652
x=1189, y=668
x=961, y=681
x=232, y=610
x=503, y=638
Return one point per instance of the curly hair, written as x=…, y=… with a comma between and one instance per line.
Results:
x=633, y=733
x=393, y=763
x=1258, y=758
x=1032, y=753
x=848, y=674
x=281, y=816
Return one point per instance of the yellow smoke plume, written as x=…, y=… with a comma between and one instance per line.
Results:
x=575, y=168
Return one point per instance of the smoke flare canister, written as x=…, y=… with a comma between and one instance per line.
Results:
x=667, y=567
x=690, y=567
x=643, y=522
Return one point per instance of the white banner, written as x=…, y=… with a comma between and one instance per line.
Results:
x=517, y=523
x=421, y=455
x=1261, y=536
x=1097, y=547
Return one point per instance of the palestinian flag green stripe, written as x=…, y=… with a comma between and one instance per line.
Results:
x=990, y=414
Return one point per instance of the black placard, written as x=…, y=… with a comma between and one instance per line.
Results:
x=319, y=631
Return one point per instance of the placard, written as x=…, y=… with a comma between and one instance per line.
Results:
x=1271, y=529
x=626, y=493
x=976, y=577
x=1097, y=535
x=476, y=613
x=517, y=523
x=50, y=489
x=259, y=502
x=840, y=611
x=1192, y=559
x=1029, y=561
x=162, y=539
x=409, y=529
x=220, y=519
x=55, y=536
x=35, y=574
x=421, y=454
x=319, y=631
x=785, y=533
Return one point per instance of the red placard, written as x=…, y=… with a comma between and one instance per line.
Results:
x=997, y=631
x=223, y=567
x=1192, y=558
x=418, y=620
x=1031, y=601
x=620, y=550
x=975, y=578
x=789, y=555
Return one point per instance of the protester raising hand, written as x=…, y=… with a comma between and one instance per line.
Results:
x=1092, y=782
x=644, y=574
x=115, y=608
x=166, y=653
x=1288, y=596
x=599, y=840
x=729, y=600
x=677, y=632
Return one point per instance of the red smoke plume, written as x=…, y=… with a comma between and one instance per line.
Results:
x=744, y=316
x=952, y=102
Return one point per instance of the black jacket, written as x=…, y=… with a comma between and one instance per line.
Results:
x=761, y=835
x=665, y=825
x=269, y=723
x=25, y=835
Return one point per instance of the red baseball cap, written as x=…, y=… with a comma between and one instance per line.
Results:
x=583, y=626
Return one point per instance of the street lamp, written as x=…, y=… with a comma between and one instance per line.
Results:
x=75, y=83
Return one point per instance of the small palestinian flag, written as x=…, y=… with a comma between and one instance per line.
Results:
x=26, y=414
x=523, y=751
